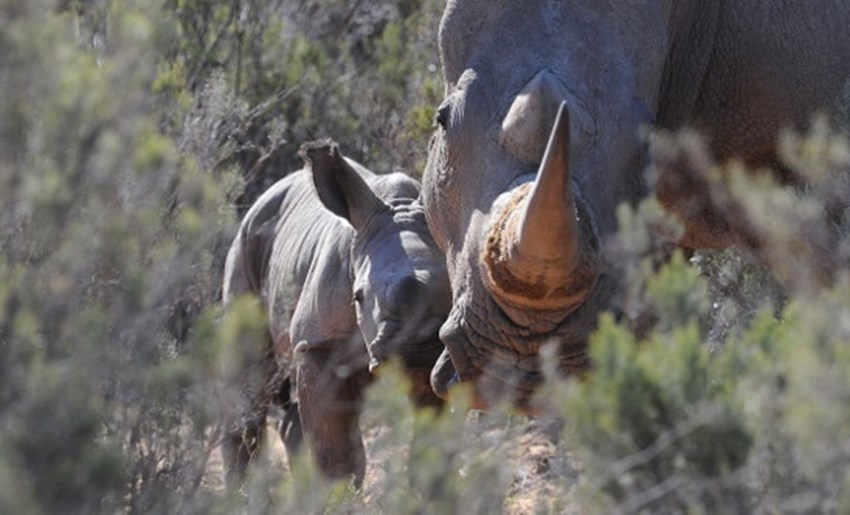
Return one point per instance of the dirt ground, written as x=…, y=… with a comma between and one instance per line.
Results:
x=539, y=466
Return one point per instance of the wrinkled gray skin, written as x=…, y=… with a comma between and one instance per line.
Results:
x=522, y=233
x=347, y=277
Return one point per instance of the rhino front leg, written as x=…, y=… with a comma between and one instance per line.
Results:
x=239, y=448
x=245, y=403
x=290, y=431
x=417, y=366
x=244, y=420
x=289, y=427
x=421, y=393
x=330, y=393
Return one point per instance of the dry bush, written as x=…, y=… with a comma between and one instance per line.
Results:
x=132, y=132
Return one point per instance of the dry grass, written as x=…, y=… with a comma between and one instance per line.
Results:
x=543, y=472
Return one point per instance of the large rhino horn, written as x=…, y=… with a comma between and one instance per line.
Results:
x=537, y=255
x=547, y=226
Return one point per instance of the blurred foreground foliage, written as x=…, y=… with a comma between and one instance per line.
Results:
x=133, y=133
x=729, y=399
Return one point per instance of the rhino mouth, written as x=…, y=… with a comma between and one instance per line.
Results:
x=443, y=375
x=507, y=363
x=417, y=360
x=414, y=353
x=503, y=376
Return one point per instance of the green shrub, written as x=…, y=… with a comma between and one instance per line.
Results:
x=131, y=133
x=710, y=412
x=104, y=224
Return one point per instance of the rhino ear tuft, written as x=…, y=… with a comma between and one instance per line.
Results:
x=341, y=189
x=321, y=153
x=323, y=159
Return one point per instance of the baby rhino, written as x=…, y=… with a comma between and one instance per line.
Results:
x=348, y=276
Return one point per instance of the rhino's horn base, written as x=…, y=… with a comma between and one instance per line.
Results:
x=555, y=293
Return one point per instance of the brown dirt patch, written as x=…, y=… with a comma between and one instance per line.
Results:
x=543, y=473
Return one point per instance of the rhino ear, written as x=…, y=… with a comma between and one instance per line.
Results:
x=341, y=188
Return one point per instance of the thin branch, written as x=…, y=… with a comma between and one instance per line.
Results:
x=199, y=65
x=664, y=441
x=212, y=442
x=638, y=502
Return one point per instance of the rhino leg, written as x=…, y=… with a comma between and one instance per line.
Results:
x=290, y=431
x=238, y=449
x=246, y=375
x=418, y=363
x=330, y=394
x=244, y=420
x=421, y=393
x=289, y=428
x=418, y=360
x=245, y=405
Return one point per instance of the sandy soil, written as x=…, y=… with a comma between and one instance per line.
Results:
x=543, y=473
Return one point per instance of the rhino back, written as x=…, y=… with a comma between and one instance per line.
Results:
x=293, y=254
x=773, y=64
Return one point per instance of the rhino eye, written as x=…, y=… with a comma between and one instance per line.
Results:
x=441, y=118
x=358, y=295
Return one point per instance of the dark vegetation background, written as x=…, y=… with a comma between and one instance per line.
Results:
x=133, y=135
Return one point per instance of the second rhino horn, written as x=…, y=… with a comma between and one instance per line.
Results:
x=525, y=128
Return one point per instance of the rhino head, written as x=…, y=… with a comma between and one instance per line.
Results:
x=535, y=147
x=400, y=287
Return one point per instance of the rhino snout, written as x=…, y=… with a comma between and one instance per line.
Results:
x=415, y=353
x=443, y=375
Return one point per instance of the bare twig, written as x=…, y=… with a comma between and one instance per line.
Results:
x=664, y=441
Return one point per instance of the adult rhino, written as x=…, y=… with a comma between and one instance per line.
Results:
x=348, y=276
x=537, y=143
